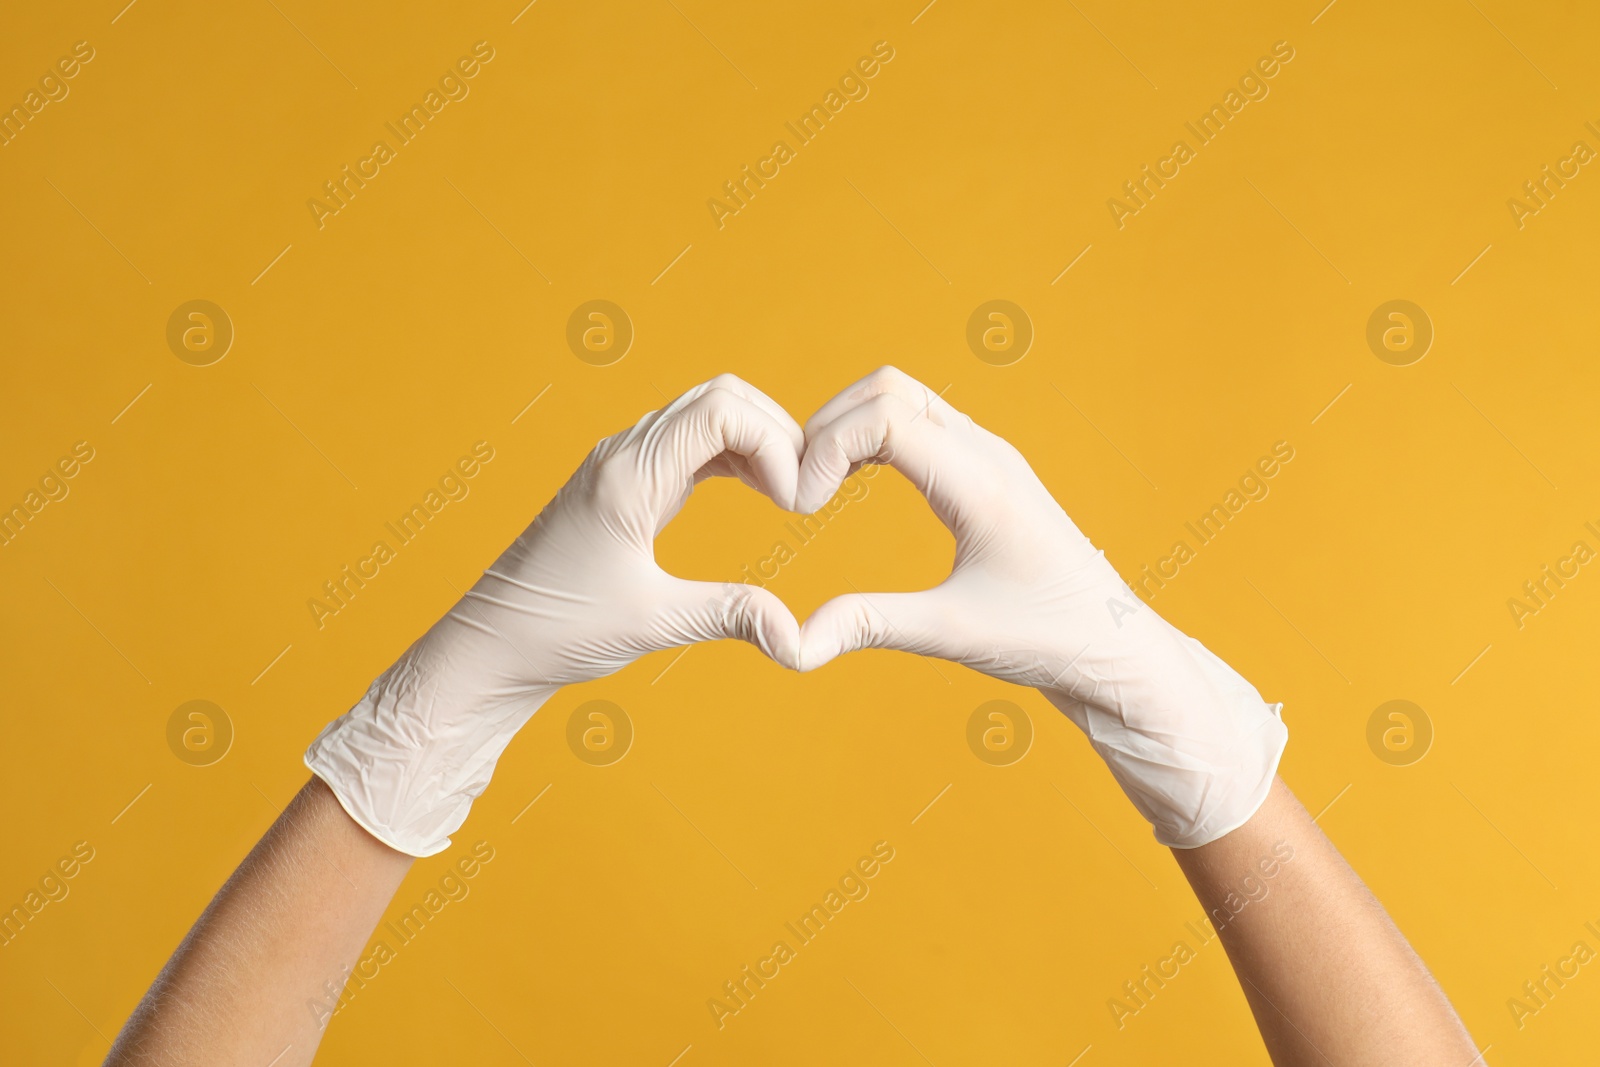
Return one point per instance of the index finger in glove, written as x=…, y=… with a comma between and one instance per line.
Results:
x=891, y=380
x=936, y=458
x=736, y=385
x=719, y=423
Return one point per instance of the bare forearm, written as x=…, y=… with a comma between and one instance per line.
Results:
x=1330, y=978
x=295, y=915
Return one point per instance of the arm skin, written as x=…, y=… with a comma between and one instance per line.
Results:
x=1330, y=978
x=296, y=914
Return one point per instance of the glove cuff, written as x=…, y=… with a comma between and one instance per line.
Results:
x=1201, y=761
x=408, y=760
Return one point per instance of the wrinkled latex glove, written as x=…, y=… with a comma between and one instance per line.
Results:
x=1031, y=601
x=576, y=597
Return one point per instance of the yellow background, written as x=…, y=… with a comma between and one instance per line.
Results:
x=1222, y=318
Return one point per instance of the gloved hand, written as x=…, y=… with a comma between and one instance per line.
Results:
x=1031, y=601
x=577, y=596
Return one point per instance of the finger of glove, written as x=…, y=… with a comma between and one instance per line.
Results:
x=884, y=429
x=719, y=423
x=711, y=611
x=906, y=622
x=885, y=379
x=736, y=385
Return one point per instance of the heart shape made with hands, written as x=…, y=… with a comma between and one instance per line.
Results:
x=1022, y=569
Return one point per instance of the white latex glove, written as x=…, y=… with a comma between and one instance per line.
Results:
x=576, y=597
x=1031, y=601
